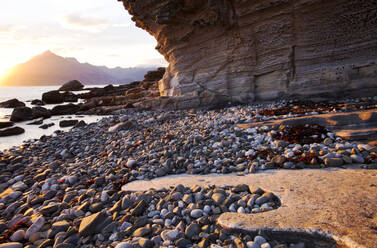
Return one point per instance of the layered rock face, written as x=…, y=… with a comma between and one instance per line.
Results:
x=245, y=50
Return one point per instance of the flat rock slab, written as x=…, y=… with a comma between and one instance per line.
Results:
x=356, y=125
x=341, y=202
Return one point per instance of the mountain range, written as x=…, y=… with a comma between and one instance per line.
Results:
x=51, y=69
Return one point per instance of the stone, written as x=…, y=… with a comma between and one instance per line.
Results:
x=19, y=186
x=5, y=124
x=60, y=226
x=182, y=243
x=218, y=198
x=73, y=85
x=192, y=230
x=48, y=210
x=91, y=224
x=266, y=197
x=21, y=114
x=265, y=245
x=124, y=245
x=67, y=109
x=141, y=232
x=13, y=103
x=52, y=97
x=121, y=126
x=37, y=102
x=35, y=227
x=169, y=235
x=251, y=244
x=11, y=131
x=11, y=245
x=41, y=112
x=334, y=162
x=201, y=74
x=19, y=235
x=145, y=243
x=259, y=240
x=140, y=208
x=55, y=97
x=357, y=159
x=196, y=213
x=68, y=123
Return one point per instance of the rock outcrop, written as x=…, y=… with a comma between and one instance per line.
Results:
x=73, y=85
x=246, y=50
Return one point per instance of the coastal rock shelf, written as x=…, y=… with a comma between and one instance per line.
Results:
x=258, y=50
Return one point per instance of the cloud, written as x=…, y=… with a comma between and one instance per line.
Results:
x=7, y=28
x=84, y=23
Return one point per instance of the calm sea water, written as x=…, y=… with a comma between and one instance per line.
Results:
x=26, y=94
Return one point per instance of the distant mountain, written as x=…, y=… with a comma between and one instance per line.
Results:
x=51, y=69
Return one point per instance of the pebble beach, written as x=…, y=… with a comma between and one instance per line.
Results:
x=65, y=190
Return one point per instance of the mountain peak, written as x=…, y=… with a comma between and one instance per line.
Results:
x=48, y=53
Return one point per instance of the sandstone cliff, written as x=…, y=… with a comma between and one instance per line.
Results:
x=245, y=50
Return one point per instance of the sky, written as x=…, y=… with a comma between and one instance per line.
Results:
x=99, y=32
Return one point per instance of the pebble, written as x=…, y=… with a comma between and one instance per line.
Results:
x=18, y=236
x=196, y=213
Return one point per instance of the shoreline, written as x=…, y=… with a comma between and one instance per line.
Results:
x=74, y=178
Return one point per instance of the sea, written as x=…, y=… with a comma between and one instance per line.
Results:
x=26, y=94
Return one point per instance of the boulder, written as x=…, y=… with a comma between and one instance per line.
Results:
x=45, y=126
x=5, y=124
x=11, y=131
x=68, y=109
x=73, y=85
x=69, y=97
x=68, y=123
x=22, y=114
x=13, y=103
x=241, y=51
x=41, y=112
x=55, y=97
x=37, y=102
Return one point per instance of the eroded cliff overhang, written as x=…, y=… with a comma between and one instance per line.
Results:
x=246, y=50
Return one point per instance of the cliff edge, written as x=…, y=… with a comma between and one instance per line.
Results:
x=246, y=50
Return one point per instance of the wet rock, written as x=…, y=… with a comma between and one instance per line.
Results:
x=68, y=123
x=13, y=103
x=5, y=124
x=41, y=112
x=11, y=131
x=37, y=102
x=46, y=126
x=68, y=109
x=22, y=114
x=73, y=85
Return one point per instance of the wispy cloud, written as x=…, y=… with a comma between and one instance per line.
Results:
x=84, y=23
